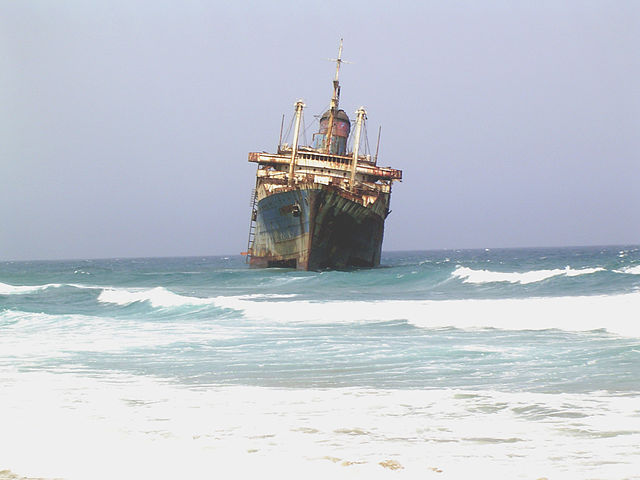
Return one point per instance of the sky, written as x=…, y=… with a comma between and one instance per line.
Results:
x=125, y=126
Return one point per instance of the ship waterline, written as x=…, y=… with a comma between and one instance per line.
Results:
x=320, y=207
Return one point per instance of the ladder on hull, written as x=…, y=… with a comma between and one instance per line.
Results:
x=252, y=225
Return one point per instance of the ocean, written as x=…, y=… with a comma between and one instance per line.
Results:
x=491, y=363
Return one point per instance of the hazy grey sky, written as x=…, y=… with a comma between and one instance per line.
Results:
x=125, y=125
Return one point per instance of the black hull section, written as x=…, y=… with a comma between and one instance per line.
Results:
x=316, y=229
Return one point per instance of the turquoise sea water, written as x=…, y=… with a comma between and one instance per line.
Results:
x=503, y=360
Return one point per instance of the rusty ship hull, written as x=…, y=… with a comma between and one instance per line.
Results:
x=314, y=216
x=316, y=228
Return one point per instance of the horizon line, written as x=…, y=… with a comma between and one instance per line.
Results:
x=136, y=257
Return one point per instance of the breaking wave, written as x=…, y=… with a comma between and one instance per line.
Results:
x=160, y=297
x=157, y=297
x=468, y=275
x=634, y=270
x=6, y=289
x=613, y=313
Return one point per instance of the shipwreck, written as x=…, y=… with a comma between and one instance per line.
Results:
x=320, y=207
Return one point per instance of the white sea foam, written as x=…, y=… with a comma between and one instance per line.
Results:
x=615, y=313
x=6, y=289
x=268, y=296
x=631, y=270
x=29, y=335
x=161, y=297
x=157, y=297
x=469, y=275
x=61, y=425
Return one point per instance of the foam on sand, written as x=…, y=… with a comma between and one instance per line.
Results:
x=61, y=425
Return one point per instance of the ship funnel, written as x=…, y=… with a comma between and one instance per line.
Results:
x=339, y=133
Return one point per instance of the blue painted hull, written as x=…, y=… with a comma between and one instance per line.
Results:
x=317, y=228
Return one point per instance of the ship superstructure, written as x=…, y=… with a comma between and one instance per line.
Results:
x=319, y=207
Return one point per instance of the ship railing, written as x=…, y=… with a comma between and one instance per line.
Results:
x=338, y=162
x=279, y=178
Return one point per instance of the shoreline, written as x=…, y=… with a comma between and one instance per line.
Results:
x=6, y=474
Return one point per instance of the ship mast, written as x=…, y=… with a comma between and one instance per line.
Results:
x=335, y=100
x=296, y=134
x=362, y=114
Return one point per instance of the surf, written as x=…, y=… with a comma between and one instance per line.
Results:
x=156, y=297
x=6, y=289
x=469, y=275
x=616, y=314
